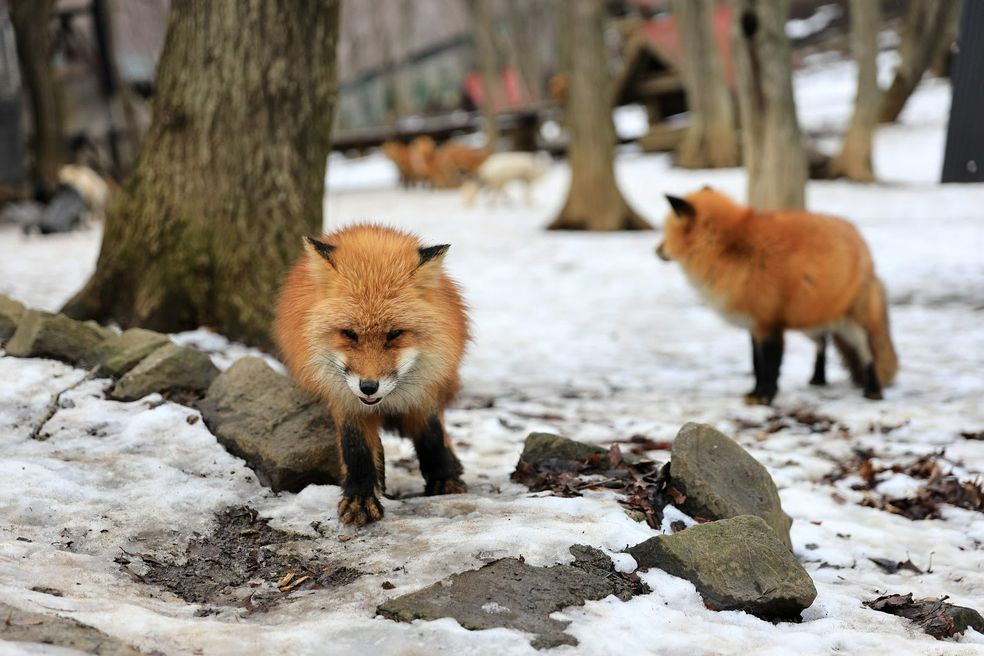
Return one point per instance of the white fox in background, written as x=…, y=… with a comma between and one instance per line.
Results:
x=502, y=168
x=89, y=185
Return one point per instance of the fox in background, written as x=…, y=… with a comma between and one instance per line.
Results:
x=369, y=322
x=788, y=270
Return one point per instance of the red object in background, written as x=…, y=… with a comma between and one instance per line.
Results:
x=508, y=93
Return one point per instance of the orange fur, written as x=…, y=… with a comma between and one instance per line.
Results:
x=772, y=271
x=373, y=283
x=400, y=156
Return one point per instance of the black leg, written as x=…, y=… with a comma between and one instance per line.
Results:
x=820, y=366
x=364, y=476
x=872, y=386
x=438, y=464
x=768, y=353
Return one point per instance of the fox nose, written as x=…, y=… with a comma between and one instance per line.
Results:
x=368, y=387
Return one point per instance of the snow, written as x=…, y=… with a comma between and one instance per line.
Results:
x=587, y=335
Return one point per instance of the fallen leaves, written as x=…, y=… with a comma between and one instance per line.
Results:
x=934, y=616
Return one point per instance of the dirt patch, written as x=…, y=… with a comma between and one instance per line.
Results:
x=243, y=563
x=780, y=420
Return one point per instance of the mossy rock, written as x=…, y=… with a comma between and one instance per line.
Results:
x=170, y=368
x=121, y=353
x=46, y=335
x=11, y=312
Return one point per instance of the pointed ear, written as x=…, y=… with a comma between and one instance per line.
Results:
x=319, y=248
x=432, y=254
x=681, y=207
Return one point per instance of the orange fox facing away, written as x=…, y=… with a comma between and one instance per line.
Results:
x=369, y=322
x=773, y=271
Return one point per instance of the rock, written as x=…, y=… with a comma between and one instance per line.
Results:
x=965, y=618
x=11, y=312
x=46, y=335
x=120, y=353
x=736, y=564
x=720, y=480
x=542, y=447
x=22, y=626
x=934, y=616
x=170, y=368
x=509, y=593
x=281, y=431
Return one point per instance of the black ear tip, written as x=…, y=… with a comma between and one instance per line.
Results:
x=430, y=252
x=680, y=206
x=323, y=249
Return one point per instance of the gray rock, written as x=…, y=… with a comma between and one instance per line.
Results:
x=736, y=564
x=121, y=353
x=721, y=480
x=281, y=431
x=965, y=618
x=509, y=593
x=11, y=312
x=29, y=627
x=541, y=447
x=170, y=368
x=46, y=335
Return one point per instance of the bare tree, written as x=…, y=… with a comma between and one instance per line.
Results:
x=231, y=173
x=854, y=160
x=711, y=141
x=524, y=15
x=32, y=31
x=775, y=161
x=928, y=24
x=594, y=201
x=488, y=63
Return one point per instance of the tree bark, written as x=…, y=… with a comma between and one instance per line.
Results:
x=32, y=32
x=522, y=16
x=711, y=141
x=231, y=173
x=775, y=160
x=927, y=24
x=594, y=201
x=854, y=160
x=487, y=61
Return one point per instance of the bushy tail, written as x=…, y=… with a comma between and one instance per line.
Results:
x=871, y=312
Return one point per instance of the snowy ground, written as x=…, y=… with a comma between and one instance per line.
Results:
x=586, y=335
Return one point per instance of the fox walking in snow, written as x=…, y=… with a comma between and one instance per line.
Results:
x=369, y=322
x=773, y=271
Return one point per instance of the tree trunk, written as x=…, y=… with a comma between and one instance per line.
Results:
x=594, y=201
x=522, y=16
x=231, y=173
x=775, y=161
x=32, y=31
x=927, y=24
x=485, y=44
x=711, y=141
x=854, y=160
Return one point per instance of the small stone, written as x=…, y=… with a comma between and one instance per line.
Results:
x=170, y=368
x=46, y=631
x=735, y=564
x=721, y=480
x=120, y=353
x=541, y=447
x=46, y=335
x=283, y=433
x=11, y=312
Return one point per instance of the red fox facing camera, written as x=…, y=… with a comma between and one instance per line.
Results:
x=769, y=272
x=369, y=322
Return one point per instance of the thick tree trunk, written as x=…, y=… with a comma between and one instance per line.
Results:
x=711, y=141
x=485, y=43
x=854, y=160
x=594, y=201
x=231, y=173
x=775, y=161
x=32, y=31
x=927, y=24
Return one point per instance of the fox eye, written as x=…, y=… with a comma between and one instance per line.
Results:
x=393, y=334
x=350, y=334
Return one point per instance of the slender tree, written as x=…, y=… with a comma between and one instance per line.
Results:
x=594, y=201
x=483, y=27
x=32, y=32
x=928, y=24
x=854, y=160
x=711, y=141
x=775, y=160
x=231, y=173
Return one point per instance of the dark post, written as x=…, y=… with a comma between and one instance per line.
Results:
x=964, y=160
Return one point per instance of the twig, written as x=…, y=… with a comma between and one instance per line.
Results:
x=52, y=408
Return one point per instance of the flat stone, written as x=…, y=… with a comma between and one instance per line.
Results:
x=46, y=335
x=29, y=627
x=281, y=431
x=735, y=564
x=121, y=353
x=11, y=312
x=721, y=480
x=170, y=368
x=509, y=593
x=540, y=448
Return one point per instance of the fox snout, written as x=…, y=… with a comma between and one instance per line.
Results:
x=370, y=390
x=661, y=252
